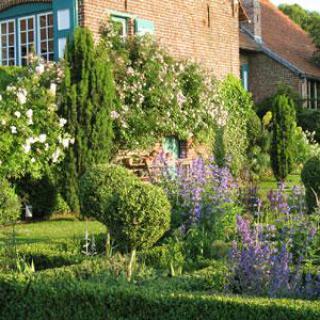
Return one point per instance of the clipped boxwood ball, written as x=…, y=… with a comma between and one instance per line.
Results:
x=10, y=207
x=310, y=176
x=137, y=214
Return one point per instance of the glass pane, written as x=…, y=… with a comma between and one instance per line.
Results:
x=24, y=51
x=30, y=23
x=11, y=52
x=11, y=39
x=11, y=27
x=50, y=33
x=31, y=36
x=43, y=21
x=23, y=38
x=50, y=20
x=4, y=28
x=51, y=56
x=43, y=34
x=3, y=41
x=4, y=54
x=43, y=47
x=23, y=25
x=50, y=46
x=11, y=62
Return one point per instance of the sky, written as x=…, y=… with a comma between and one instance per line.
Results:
x=307, y=4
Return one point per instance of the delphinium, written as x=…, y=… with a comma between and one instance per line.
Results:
x=263, y=262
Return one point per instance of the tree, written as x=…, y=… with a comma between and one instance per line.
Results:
x=283, y=131
x=308, y=20
x=86, y=102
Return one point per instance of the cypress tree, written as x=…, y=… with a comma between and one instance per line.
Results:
x=284, y=125
x=87, y=100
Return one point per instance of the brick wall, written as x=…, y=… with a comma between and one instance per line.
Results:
x=266, y=74
x=181, y=27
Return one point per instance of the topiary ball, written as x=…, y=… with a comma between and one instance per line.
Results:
x=310, y=176
x=137, y=214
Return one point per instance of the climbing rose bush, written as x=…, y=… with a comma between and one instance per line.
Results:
x=32, y=135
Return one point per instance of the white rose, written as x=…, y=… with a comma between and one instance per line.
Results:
x=29, y=113
x=56, y=155
x=17, y=114
x=13, y=129
x=33, y=160
x=26, y=147
x=22, y=96
x=39, y=69
x=53, y=89
x=42, y=138
x=62, y=122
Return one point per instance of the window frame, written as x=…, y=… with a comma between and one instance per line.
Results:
x=38, y=44
x=34, y=35
x=125, y=23
x=7, y=21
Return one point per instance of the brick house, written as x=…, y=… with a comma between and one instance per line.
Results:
x=274, y=50
x=204, y=30
x=207, y=31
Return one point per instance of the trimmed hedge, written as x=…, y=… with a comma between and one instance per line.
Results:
x=62, y=294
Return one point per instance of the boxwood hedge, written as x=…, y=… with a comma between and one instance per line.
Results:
x=63, y=295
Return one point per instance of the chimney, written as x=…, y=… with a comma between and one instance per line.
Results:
x=253, y=9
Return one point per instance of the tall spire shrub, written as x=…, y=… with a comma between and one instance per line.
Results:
x=86, y=103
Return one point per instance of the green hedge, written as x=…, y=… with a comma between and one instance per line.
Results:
x=63, y=295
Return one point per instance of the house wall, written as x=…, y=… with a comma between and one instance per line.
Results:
x=182, y=27
x=265, y=75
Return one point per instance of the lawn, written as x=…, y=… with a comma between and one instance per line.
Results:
x=51, y=232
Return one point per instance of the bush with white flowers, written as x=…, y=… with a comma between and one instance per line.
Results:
x=160, y=95
x=32, y=136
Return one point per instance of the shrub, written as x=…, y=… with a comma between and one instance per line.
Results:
x=87, y=96
x=310, y=176
x=68, y=295
x=136, y=213
x=283, y=131
x=10, y=208
x=309, y=120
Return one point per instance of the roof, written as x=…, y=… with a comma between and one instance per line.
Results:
x=286, y=41
x=5, y=4
x=247, y=42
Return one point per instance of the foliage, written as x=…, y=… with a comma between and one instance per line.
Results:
x=10, y=208
x=8, y=75
x=310, y=176
x=74, y=294
x=309, y=120
x=284, y=124
x=137, y=214
x=32, y=136
x=263, y=264
x=87, y=95
x=239, y=105
x=158, y=95
x=308, y=20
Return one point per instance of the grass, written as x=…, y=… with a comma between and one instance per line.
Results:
x=269, y=183
x=51, y=232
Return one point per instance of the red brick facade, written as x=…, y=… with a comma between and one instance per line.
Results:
x=203, y=30
x=265, y=76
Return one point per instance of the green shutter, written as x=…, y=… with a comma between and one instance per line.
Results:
x=144, y=26
x=245, y=76
x=171, y=145
x=59, y=35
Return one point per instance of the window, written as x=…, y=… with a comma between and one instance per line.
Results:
x=313, y=94
x=62, y=45
x=175, y=148
x=21, y=37
x=245, y=76
x=121, y=25
x=8, y=41
x=46, y=38
x=27, y=39
x=63, y=19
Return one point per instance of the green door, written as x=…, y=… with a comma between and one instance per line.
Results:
x=171, y=145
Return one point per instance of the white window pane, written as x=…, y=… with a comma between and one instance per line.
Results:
x=62, y=46
x=7, y=43
x=64, y=19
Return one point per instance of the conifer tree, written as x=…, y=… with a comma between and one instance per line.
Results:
x=86, y=103
x=284, y=125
